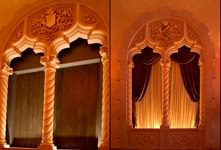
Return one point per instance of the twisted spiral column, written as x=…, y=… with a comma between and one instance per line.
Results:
x=129, y=94
x=105, y=100
x=202, y=103
x=165, y=64
x=50, y=64
x=5, y=71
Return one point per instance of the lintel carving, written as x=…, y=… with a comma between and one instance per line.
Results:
x=166, y=31
x=48, y=24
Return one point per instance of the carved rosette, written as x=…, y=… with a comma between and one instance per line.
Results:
x=48, y=25
x=191, y=35
x=140, y=37
x=87, y=17
x=166, y=31
x=17, y=34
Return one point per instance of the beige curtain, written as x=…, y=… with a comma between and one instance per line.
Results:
x=148, y=110
x=183, y=111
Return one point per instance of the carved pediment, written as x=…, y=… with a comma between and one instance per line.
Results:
x=48, y=24
x=166, y=31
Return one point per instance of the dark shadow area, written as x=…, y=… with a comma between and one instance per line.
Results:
x=26, y=142
x=82, y=143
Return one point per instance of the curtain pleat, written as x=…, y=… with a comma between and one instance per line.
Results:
x=148, y=110
x=76, y=101
x=189, y=70
x=183, y=111
x=140, y=76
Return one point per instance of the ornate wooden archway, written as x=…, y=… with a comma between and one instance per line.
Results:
x=48, y=30
x=165, y=36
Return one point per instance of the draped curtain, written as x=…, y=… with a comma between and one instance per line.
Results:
x=183, y=111
x=25, y=109
x=189, y=70
x=148, y=110
x=140, y=76
x=78, y=95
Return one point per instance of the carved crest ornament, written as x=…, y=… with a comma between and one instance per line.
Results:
x=47, y=25
x=166, y=32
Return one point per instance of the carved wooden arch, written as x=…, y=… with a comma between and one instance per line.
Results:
x=50, y=29
x=165, y=36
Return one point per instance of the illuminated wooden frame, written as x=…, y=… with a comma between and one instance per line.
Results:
x=48, y=30
x=178, y=34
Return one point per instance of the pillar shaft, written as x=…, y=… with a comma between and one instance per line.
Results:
x=165, y=64
x=105, y=100
x=50, y=64
x=5, y=71
x=202, y=103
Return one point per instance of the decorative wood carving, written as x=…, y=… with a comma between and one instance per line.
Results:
x=184, y=139
x=140, y=37
x=105, y=99
x=16, y=35
x=47, y=25
x=191, y=35
x=5, y=71
x=89, y=19
x=166, y=31
x=145, y=139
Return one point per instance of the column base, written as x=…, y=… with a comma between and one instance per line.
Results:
x=2, y=146
x=164, y=126
x=103, y=146
x=47, y=147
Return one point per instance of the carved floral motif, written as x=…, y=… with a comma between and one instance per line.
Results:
x=140, y=36
x=191, y=35
x=18, y=35
x=47, y=25
x=89, y=19
x=166, y=31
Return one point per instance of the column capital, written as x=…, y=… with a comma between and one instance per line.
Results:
x=130, y=64
x=200, y=62
x=50, y=61
x=165, y=62
x=104, y=52
x=5, y=69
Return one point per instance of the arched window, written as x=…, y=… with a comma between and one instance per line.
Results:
x=146, y=90
x=177, y=87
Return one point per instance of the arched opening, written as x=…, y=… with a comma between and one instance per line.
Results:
x=146, y=90
x=184, y=89
x=25, y=94
x=49, y=30
x=168, y=36
x=78, y=96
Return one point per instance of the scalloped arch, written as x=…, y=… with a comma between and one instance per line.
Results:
x=165, y=35
x=51, y=27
